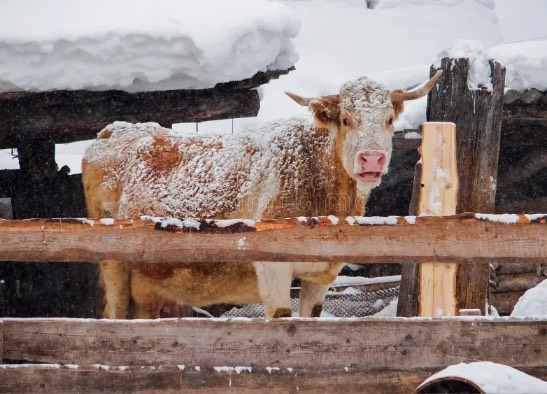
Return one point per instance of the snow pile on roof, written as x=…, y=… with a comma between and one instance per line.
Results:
x=493, y=378
x=398, y=3
x=141, y=45
x=533, y=303
x=526, y=63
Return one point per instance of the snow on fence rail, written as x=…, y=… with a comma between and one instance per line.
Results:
x=461, y=238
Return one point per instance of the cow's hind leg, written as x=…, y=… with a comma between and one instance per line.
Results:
x=274, y=285
x=115, y=286
x=145, y=303
x=312, y=296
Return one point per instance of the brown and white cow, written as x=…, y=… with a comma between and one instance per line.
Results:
x=287, y=169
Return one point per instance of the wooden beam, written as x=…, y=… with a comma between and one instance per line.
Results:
x=170, y=378
x=389, y=344
x=463, y=238
x=505, y=302
x=529, y=104
x=517, y=282
x=64, y=116
x=438, y=196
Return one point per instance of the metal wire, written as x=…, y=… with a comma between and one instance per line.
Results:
x=336, y=304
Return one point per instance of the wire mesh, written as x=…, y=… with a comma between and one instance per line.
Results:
x=357, y=304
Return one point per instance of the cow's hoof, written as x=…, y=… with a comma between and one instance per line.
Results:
x=316, y=311
x=282, y=312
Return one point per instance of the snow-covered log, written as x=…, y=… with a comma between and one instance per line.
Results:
x=462, y=238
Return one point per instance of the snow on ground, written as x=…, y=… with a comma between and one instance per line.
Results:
x=533, y=303
x=389, y=311
x=342, y=281
x=394, y=43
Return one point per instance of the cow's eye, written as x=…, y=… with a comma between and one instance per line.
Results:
x=389, y=122
x=345, y=121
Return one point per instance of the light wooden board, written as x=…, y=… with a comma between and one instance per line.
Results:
x=438, y=197
x=462, y=238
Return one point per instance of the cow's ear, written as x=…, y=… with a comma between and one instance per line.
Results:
x=326, y=110
x=398, y=105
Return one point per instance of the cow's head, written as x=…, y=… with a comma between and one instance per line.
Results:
x=362, y=117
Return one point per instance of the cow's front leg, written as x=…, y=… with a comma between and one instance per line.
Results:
x=312, y=296
x=274, y=285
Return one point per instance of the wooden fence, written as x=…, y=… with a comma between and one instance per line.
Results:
x=284, y=355
x=461, y=238
x=363, y=355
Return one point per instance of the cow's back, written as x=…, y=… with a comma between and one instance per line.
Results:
x=144, y=169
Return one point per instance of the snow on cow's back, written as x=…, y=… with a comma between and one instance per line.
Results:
x=163, y=173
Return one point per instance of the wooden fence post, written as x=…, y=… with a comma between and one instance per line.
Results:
x=438, y=197
x=478, y=114
x=409, y=292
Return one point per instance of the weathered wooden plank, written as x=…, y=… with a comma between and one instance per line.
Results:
x=54, y=378
x=518, y=282
x=505, y=302
x=521, y=110
x=365, y=344
x=458, y=238
x=516, y=268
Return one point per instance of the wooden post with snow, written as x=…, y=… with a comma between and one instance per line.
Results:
x=438, y=197
x=478, y=113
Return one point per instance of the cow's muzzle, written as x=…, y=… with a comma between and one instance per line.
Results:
x=370, y=166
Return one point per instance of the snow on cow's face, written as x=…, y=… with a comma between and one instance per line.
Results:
x=365, y=131
x=361, y=117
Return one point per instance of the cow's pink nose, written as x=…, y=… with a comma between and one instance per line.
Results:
x=371, y=162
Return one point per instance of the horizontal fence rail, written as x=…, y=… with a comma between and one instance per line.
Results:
x=389, y=355
x=462, y=238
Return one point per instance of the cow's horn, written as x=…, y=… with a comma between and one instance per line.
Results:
x=399, y=96
x=300, y=100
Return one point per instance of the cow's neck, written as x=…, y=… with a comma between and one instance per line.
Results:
x=314, y=184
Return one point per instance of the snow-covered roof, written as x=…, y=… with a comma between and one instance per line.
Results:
x=141, y=45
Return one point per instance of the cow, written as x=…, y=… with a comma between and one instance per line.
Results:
x=288, y=168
